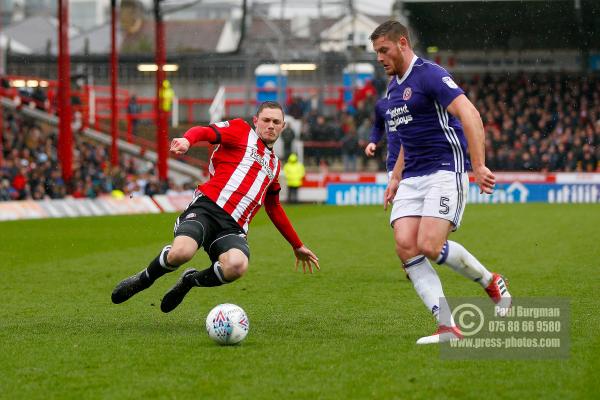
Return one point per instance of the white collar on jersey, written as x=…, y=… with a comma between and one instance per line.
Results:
x=412, y=62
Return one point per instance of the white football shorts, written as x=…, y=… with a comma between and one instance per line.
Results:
x=442, y=194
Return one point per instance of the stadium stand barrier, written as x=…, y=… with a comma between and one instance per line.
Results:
x=334, y=189
x=29, y=209
x=178, y=171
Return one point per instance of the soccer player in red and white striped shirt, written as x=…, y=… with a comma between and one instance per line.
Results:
x=244, y=174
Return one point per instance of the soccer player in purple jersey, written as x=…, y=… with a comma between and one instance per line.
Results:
x=435, y=123
x=377, y=130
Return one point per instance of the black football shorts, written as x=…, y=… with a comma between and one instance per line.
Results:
x=211, y=227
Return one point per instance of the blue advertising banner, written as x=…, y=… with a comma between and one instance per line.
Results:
x=343, y=194
x=515, y=192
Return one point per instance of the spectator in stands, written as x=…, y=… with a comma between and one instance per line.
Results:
x=350, y=148
x=5, y=190
x=319, y=132
x=363, y=111
x=31, y=168
x=294, y=175
x=287, y=135
x=79, y=192
x=55, y=185
x=554, y=118
x=296, y=108
x=588, y=160
x=19, y=183
x=166, y=94
x=133, y=110
x=363, y=132
x=40, y=99
x=152, y=187
x=539, y=114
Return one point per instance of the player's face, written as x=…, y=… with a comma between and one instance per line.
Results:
x=269, y=124
x=389, y=54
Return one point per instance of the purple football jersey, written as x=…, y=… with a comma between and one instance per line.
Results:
x=379, y=128
x=433, y=139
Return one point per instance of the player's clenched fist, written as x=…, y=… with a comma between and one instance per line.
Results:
x=370, y=149
x=180, y=146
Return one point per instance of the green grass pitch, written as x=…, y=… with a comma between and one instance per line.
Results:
x=347, y=332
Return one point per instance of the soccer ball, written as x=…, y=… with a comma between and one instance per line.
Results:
x=227, y=324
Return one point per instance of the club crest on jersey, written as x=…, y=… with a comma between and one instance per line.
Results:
x=407, y=93
x=222, y=124
x=448, y=81
x=264, y=163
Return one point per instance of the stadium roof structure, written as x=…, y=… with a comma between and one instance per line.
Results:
x=36, y=34
x=195, y=36
x=14, y=45
x=504, y=24
x=93, y=41
x=329, y=33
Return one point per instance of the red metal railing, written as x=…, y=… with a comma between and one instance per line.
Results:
x=91, y=105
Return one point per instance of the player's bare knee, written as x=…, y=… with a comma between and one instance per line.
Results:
x=405, y=248
x=429, y=248
x=234, y=263
x=405, y=252
x=182, y=251
x=179, y=255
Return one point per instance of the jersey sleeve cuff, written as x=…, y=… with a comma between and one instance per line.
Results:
x=214, y=128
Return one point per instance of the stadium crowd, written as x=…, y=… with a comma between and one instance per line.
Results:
x=30, y=168
x=533, y=122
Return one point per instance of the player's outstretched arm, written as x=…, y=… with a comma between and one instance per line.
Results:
x=462, y=108
x=193, y=135
x=394, y=182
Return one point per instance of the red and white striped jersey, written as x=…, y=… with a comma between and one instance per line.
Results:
x=242, y=170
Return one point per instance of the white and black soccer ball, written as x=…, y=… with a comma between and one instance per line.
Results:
x=227, y=324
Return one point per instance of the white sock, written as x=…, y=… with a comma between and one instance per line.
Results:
x=428, y=286
x=460, y=260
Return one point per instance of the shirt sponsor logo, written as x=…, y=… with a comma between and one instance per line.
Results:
x=407, y=93
x=398, y=116
x=448, y=81
x=264, y=163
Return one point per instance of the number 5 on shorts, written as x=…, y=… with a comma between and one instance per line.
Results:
x=444, y=207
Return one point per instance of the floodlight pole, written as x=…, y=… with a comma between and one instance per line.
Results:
x=114, y=153
x=162, y=134
x=65, y=134
x=280, y=49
